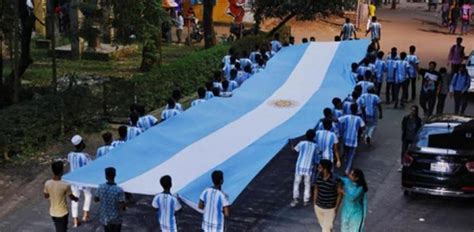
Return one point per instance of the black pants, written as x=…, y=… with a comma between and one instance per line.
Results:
x=460, y=102
x=113, y=228
x=405, y=145
x=389, y=89
x=440, y=105
x=412, y=82
x=378, y=88
x=427, y=102
x=396, y=93
x=405, y=85
x=60, y=223
x=455, y=68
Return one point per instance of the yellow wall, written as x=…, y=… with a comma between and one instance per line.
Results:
x=218, y=14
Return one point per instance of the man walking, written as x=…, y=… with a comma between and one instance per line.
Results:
x=215, y=204
x=413, y=61
x=373, y=110
x=444, y=81
x=78, y=159
x=112, y=202
x=348, y=30
x=327, y=198
x=458, y=88
x=456, y=55
x=351, y=125
x=375, y=30
x=167, y=206
x=401, y=80
x=327, y=142
x=428, y=89
x=179, y=26
x=466, y=15
x=410, y=125
x=56, y=191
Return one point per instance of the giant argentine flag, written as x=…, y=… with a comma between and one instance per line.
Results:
x=238, y=135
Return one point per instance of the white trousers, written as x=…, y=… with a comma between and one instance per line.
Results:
x=307, y=187
x=325, y=218
x=76, y=191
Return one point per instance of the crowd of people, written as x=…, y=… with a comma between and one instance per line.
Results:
x=453, y=12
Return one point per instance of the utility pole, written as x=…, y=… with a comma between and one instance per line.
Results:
x=51, y=23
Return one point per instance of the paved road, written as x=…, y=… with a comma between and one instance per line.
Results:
x=264, y=204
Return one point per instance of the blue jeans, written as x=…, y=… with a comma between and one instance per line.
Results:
x=349, y=153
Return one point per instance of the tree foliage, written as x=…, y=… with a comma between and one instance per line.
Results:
x=141, y=20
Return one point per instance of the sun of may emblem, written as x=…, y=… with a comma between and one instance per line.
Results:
x=283, y=103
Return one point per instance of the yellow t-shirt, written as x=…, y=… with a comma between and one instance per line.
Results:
x=372, y=10
x=58, y=191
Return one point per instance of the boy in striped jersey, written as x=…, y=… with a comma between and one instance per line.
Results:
x=244, y=59
x=327, y=112
x=209, y=93
x=77, y=159
x=307, y=151
x=253, y=55
x=366, y=84
x=348, y=30
x=401, y=80
x=226, y=92
x=215, y=204
x=170, y=111
x=133, y=130
x=104, y=150
x=202, y=97
x=176, y=95
x=167, y=206
x=145, y=122
x=413, y=61
x=373, y=110
x=390, y=86
x=122, y=131
x=375, y=29
x=380, y=68
x=351, y=126
x=327, y=142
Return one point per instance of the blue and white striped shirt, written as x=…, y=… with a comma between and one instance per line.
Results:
x=306, y=157
x=401, y=67
x=214, y=202
x=197, y=102
x=363, y=69
x=366, y=85
x=102, y=151
x=412, y=61
x=325, y=141
x=391, y=64
x=375, y=29
x=347, y=31
x=169, y=113
x=253, y=56
x=167, y=206
x=233, y=85
x=244, y=62
x=116, y=143
x=146, y=122
x=380, y=68
x=334, y=127
x=350, y=125
x=242, y=77
x=209, y=95
x=336, y=113
x=132, y=132
x=460, y=83
x=77, y=160
x=370, y=103
x=276, y=45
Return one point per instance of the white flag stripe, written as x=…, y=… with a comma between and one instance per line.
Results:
x=207, y=153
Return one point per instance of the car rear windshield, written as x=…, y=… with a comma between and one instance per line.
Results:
x=431, y=130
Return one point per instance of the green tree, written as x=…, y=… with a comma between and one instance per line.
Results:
x=288, y=9
x=141, y=20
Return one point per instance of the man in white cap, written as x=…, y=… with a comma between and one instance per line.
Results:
x=78, y=159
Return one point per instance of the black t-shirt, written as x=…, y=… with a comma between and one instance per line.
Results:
x=327, y=192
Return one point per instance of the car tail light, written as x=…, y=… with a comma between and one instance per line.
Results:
x=470, y=166
x=407, y=159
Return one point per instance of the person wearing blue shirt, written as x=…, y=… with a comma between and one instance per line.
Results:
x=253, y=55
x=307, y=151
x=225, y=89
x=364, y=67
x=373, y=111
x=209, y=93
x=133, y=130
x=327, y=112
x=460, y=84
x=104, y=150
x=375, y=29
x=215, y=204
x=401, y=78
x=145, y=122
x=391, y=64
x=122, y=131
x=112, y=202
x=176, y=95
x=380, y=69
x=366, y=84
x=413, y=61
x=351, y=126
x=170, y=111
x=275, y=43
x=233, y=84
x=348, y=30
x=167, y=206
x=202, y=97
x=244, y=60
x=327, y=142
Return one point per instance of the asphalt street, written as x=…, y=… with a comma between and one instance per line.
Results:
x=264, y=205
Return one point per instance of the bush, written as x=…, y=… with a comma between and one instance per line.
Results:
x=186, y=74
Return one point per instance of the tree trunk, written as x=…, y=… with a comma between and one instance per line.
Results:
x=105, y=26
x=281, y=24
x=258, y=20
x=74, y=29
x=394, y=4
x=1, y=66
x=50, y=18
x=208, y=24
x=49, y=21
x=148, y=58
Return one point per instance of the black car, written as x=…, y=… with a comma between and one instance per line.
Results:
x=441, y=160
